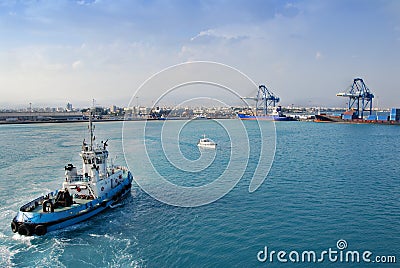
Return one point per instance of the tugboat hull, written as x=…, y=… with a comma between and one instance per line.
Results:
x=29, y=221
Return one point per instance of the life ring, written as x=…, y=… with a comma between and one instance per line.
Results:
x=24, y=230
x=14, y=227
x=41, y=230
x=78, y=189
x=48, y=206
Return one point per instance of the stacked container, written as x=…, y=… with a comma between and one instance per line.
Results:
x=395, y=114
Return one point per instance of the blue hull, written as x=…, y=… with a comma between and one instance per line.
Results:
x=264, y=117
x=30, y=223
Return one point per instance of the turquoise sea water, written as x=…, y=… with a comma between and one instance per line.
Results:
x=327, y=182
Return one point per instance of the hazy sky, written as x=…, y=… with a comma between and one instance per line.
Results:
x=52, y=52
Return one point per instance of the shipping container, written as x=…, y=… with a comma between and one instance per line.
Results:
x=395, y=111
x=382, y=117
x=395, y=114
x=347, y=117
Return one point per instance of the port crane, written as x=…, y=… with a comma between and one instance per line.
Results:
x=264, y=99
x=360, y=98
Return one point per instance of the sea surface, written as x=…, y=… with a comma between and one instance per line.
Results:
x=328, y=182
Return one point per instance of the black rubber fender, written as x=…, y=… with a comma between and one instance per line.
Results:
x=25, y=230
x=14, y=227
x=40, y=229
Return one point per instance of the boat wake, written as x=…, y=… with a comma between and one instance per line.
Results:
x=22, y=238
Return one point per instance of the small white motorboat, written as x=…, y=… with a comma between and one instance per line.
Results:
x=206, y=143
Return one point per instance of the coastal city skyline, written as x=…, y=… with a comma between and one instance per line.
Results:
x=305, y=51
x=69, y=107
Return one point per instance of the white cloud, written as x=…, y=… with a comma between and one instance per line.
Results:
x=202, y=33
x=226, y=34
x=77, y=64
x=122, y=46
x=86, y=2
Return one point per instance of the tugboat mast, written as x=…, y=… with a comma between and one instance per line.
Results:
x=91, y=129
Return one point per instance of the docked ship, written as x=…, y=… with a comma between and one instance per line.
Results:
x=323, y=117
x=83, y=194
x=277, y=115
x=359, y=108
x=265, y=100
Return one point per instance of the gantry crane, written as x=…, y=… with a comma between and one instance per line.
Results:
x=360, y=97
x=264, y=99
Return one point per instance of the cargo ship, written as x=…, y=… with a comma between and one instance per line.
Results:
x=277, y=115
x=265, y=100
x=351, y=117
x=359, y=104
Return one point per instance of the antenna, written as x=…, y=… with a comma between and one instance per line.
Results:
x=91, y=129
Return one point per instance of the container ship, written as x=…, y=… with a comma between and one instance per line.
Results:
x=265, y=100
x=359, y=108
x=277, y=115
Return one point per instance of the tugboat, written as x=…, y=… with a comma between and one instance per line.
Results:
x=82, y=195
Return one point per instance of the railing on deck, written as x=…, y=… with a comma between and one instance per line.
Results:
x=79, y=178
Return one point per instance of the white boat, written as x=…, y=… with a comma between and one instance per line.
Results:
x=206, y=143
x=83, y=194
x=200, y=117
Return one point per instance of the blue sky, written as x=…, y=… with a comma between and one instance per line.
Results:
x=52, y=52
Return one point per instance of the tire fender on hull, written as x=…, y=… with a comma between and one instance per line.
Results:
x=40, y=229
x=14, y=227
x=25, y=230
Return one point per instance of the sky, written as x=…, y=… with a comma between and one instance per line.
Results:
x=54, y=52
